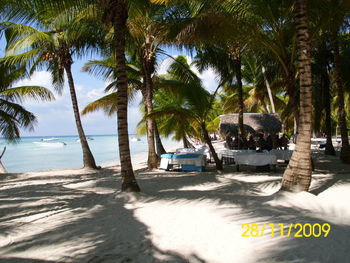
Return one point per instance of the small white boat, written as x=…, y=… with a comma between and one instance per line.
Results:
x=135, y=139
x=50, y=144
x=49, y=139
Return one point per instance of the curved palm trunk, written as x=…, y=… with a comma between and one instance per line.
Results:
x=2, y=167
x=297, y=176
x=238, y=71
x=116, y=14
x=159, y=144
x=88, y=158
x=269, y=92
x=153, y=158
x=186, y=142
x=217, y=161
x=345, y=149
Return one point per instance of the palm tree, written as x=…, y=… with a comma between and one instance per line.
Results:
x=113, y=14
x=230, y=72
x=105, y=69
x=147, y=32
x=13, y=116
x=190, y=104
x=53, y=49
x=297, y=176
x=322, y=93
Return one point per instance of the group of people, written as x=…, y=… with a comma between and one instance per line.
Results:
x=258, y=142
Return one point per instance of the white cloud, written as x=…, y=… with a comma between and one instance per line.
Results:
x=39, y=78
x=95, y=94
x=208, y=77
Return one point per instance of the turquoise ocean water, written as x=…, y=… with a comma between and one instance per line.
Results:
x=43, y=153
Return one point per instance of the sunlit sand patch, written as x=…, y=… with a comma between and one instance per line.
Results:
x=203, y=228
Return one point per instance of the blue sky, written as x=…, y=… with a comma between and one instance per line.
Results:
x=56, y=118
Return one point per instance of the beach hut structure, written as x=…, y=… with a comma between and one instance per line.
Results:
x=269, y=123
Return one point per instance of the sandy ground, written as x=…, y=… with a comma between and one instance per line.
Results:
x=81, y=216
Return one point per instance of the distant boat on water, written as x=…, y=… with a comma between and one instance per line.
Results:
x=50, y=144
x=49, y=139
x=135, y=139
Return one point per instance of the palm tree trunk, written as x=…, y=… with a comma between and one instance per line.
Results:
x=325, y=84
x=116, y=13
x=268, y=90
x=297, y=176
x=185, y=142
x=238, y=72
x=217, y=161
x=88, y=158
x=153, y=158
x=159, y=144
x=293, y=98
x=329, y=150
x=2, y=167
x=345, y=148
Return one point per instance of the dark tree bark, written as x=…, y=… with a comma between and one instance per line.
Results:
x=236, y=57
x=293, y=95
x=345, y=148
x=115, y=15
x=325, y=84
x=159, y=144
x=217, y=161
x=148, y=61
x=88, y=158
x=186, y=143
x=297, y=176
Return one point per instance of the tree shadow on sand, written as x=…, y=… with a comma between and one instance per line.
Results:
x=73, y=224
x=84, y=219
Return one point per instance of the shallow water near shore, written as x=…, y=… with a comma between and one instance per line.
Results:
x=32, y=154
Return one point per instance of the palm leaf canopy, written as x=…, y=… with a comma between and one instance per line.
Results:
x=13, y=116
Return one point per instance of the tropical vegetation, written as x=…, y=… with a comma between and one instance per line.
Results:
x=286, y=57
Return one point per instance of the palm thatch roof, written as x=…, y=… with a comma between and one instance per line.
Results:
x=253, y=123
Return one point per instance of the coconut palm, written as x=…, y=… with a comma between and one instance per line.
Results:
x=297, y=176
x=338, y=10
x=190, y=103
x=105, y=69
x=53, y=49
x=322, y=93
x=13, y=116
x=147, y=32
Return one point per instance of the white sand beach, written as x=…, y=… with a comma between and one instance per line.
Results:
x=81, y=216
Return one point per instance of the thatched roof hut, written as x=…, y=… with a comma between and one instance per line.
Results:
x=253, y=123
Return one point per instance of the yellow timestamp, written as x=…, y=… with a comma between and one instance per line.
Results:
x=286, y=230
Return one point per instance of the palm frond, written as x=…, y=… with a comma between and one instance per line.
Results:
x=33, y=92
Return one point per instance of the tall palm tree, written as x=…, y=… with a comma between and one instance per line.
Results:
x=297, y=176
x=53, y=49
x=147, y=32
x=115, y=16
x=337, y=13
x=322, y=92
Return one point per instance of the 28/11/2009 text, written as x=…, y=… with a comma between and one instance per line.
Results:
x=285, y=230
